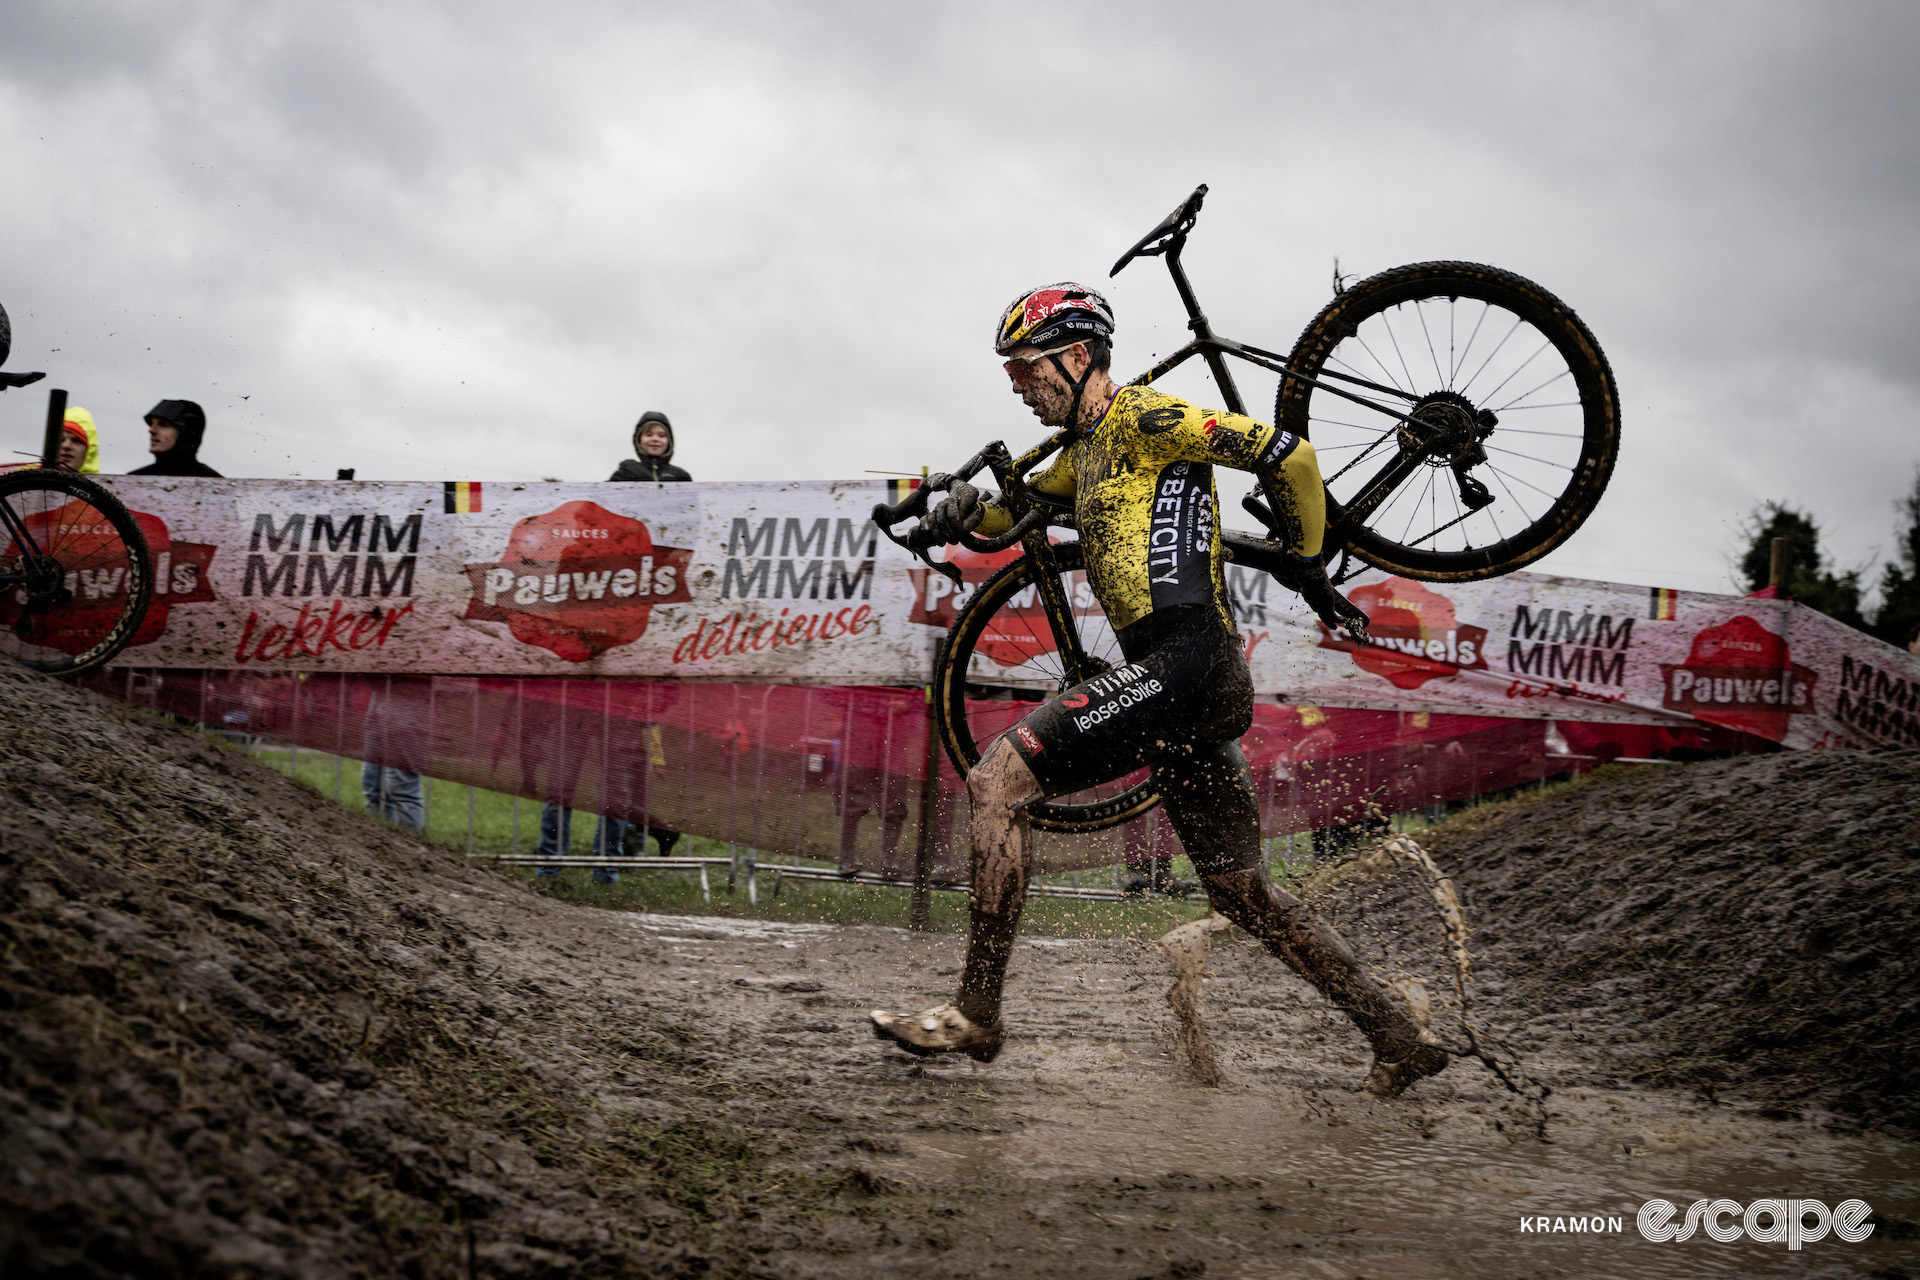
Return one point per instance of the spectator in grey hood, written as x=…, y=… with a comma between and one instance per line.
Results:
x=653, y=441
x=174, y=431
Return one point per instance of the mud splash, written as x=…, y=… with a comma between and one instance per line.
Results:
x=1187, y=947
x=1404, y=853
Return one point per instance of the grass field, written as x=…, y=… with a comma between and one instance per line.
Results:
x=488, y=822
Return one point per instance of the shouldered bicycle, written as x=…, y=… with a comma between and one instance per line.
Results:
x=1466, y=421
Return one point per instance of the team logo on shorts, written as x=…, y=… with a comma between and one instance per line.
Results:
x=1028, y=738
x=1117, y=690
x=1075, y=701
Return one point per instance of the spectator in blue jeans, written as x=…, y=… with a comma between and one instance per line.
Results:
x=556, y=835
x=394, y=794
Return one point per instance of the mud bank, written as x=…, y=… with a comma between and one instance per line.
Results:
x=1747, y=928
x=244, y=1033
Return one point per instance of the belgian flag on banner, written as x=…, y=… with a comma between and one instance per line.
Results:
x=463, y=496
x=897, y=490
x=1663, y=604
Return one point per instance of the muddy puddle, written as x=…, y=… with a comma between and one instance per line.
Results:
x=1093, y=1125
x=1445, y=1198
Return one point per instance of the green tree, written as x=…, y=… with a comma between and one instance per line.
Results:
x=1898, y=621
x=1809, y=580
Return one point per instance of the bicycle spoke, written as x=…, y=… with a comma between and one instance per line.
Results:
x=1384, y=371
x=1516, y=373
x=1498, y=347
x=1557, y=404
x=1452, y=311
x=1545, y=462
x=1485, y=309
x=1414, y=514
x=1421, y=312
x=1398, y=353
x=1357, y=426
x=1515, y=402
x=1362, y=458
x=1505, y=476
x=1453, y=496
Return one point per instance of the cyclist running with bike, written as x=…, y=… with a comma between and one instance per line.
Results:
x=1139, y=473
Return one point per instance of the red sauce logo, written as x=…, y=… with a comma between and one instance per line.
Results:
x=1416, y=637
x=96, y=576
x=1742, y=676
x=578, y=580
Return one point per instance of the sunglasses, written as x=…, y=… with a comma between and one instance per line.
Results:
x=1022, y=368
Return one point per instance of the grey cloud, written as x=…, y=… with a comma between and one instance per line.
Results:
x=426, y=236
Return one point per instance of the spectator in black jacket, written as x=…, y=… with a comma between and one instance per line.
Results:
x=653, y=441
x=174, y=431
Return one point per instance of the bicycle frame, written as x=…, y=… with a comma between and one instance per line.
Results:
x=1168, y=240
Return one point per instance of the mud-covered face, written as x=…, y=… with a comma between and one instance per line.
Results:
x=1037, y=381
x=161, y=436
x=655, y=440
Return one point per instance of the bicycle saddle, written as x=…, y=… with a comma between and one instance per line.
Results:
x=1173, y=227
x=6, y=346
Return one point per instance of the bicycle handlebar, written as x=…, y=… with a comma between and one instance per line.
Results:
x=887, y=515
x=1172, y=227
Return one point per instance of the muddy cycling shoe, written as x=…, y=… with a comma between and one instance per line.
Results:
x=941, y=1029
x=1390, y=1079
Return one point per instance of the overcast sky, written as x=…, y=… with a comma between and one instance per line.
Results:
x=436, y=240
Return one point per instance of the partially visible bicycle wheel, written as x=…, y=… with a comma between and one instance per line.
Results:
x=1002, y=660
x=73, y=592
x=1515, y=420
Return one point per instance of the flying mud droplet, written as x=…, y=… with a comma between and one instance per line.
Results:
x=1186, y=947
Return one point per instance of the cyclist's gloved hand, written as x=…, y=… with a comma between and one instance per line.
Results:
x=1332, y=608
x=961, y=511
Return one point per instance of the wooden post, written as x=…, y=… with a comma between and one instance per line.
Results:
x=920, y=915
x=1777, y=567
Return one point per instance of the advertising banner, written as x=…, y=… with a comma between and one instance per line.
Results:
x=789, y=583
x=767, y=582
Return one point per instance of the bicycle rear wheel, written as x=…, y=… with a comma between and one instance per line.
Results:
x=72, y=598
x=1516, y=420
x=1002, y=659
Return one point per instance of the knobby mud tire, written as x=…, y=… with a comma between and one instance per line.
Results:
x=950, y=704
x=1555, y=320
x=139, y=563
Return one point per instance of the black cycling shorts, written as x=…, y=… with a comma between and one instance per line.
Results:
x=1179, y=705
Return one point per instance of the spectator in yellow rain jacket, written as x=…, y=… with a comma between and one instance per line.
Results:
x=80, y=442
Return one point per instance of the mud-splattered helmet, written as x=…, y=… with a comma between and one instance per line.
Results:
x=1055, y=314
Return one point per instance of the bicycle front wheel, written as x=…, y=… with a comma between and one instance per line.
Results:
x=74, y=589
x=1486, y=431
x=1002, y=660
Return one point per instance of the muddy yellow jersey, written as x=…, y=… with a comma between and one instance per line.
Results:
x=1141, y=484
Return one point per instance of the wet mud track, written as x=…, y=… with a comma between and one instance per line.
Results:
x=245, y=1033
x=1083, y=1151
